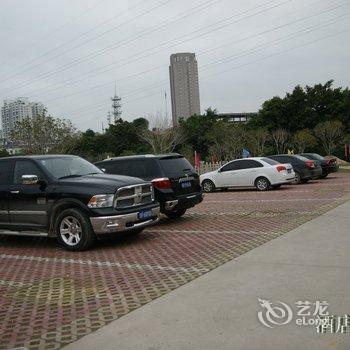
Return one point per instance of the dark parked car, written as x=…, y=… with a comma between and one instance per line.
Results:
x=175, y=181
x=71, y=199
x=328, y=165
x=305, y=169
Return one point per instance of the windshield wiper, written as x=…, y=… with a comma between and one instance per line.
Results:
x=69, y=176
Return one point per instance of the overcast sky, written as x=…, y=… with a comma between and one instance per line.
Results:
x=68, y=53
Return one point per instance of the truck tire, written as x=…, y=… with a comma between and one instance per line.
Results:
x=73, y=230
x=175, y=214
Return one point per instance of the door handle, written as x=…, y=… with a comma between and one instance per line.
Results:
x=15, y=192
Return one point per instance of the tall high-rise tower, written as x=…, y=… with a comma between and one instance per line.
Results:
x=184, y=86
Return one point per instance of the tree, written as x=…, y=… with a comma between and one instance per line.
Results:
x=121, y=138
x=304, y=108
x=226, y=140
x=44, y=134
x=330, y=134
x=163, y=138
x=257, y=140
x=196, y=128
x=303, y=139
x=280, y=137
x=3, y=153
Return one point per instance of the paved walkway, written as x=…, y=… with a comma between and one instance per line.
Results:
x=219, y=309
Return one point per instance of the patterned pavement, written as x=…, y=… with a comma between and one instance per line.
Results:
x=50, y=297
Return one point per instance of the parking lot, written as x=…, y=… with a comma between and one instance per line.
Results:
x=50, y=297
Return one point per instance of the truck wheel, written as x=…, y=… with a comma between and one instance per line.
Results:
x=262, y=184
x=208, y=186
x=175, y=214
x=73, y=230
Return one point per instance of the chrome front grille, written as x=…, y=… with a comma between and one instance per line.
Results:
x=133, y=196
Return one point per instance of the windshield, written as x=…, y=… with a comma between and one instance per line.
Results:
x=316, y=156
x=300, y=157
x=62, y=167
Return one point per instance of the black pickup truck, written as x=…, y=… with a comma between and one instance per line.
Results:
x=71, y=199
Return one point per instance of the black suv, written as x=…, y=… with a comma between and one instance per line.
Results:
x=328, y=165
x=70, y=198
x=305, y=169
x=175, y=181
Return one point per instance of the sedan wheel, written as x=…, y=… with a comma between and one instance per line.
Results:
x=297, y=178
x=262, y=184
x=208, y=186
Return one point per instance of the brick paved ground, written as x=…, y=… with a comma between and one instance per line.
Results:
x=50, y=297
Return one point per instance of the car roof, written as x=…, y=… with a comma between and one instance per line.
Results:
x=43, y=156
x=248, y=158
x=145, y=156
x=278, y=155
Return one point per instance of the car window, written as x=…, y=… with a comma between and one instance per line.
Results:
x=25, y=167
x=308, y=156
x=283, y=159
x=229, y=167
x=241, y=164
x=5, y=168
x=175, y=166
x=250, y=164
x=270, y=161
x=143, y=168
x=114, y=167
x=316, y=156
x=300, y=158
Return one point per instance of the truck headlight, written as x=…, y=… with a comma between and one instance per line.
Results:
x=101, y=201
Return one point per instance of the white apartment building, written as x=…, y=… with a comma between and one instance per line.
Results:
x=16, y=110
x=184, y=86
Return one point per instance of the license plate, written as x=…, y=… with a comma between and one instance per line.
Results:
x=145, y=214
x=186, y=184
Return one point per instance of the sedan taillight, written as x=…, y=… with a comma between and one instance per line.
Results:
x=310, y=164
x=280, y=168
x=161, y=183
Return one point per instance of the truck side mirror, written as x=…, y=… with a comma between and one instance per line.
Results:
x=29, y=179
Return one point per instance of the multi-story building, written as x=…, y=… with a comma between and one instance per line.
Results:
x=184, y=86
x=14, y=111
x=236, y=117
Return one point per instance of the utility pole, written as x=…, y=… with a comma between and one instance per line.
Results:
x=116, y=105
x=109, y=117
